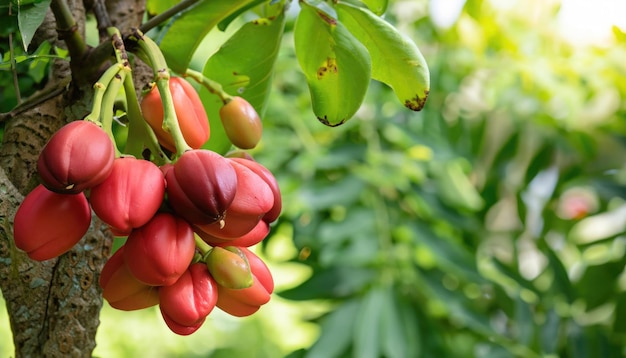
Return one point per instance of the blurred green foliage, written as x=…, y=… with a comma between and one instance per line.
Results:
x=490, y=224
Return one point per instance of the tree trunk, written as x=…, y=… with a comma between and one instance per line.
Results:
x=53, y=305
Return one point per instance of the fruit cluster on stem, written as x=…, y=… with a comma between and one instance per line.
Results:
x=187, y=215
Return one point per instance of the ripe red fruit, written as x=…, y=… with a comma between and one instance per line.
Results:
x=186, y=303
x=239, y=154
x=48, y=224
x=241, y=123
x=121, y=289
x=201, y=186
x=246, y=301
x=130, y=196
x=191, y=115
x=159, y=252
x=253, y=237
x=269, y=178
x=77, y=157
x=253, y=199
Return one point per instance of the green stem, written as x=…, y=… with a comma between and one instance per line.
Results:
x=118, y=44
x=100, y=89
x=162, y=78
x=68, y=29
x=170, y=121
x=108, y=102
x=209, y=84
x=160, y=18
x=139, y=133
x=202, y=246
x=16, y=84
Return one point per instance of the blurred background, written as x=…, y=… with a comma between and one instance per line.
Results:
x=490, y=224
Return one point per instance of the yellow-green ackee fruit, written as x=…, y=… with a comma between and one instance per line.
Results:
x=229, y=267
x=241, y=123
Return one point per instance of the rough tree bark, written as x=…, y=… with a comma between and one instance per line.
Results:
x=53, y=305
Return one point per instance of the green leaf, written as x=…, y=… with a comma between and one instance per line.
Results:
x=399, y=332
x=188, y=30
x=38, y=68
x=561, y=282
x=29, y=18
x=550, y=332
x=455, y=187
x=224, y=23
x=593, y=293
x=619, y=322
x=344, y=191
x=336, y=65
x=334, y=282
x=367, y=328
x=244, y=66
x=336, y=331
x=396, y=60
x=451, y=257
x=378, y=7
x=524, y=322
x=156, y=7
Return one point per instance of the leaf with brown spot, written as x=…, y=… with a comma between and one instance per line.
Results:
x=336, y=65
x=396, y=60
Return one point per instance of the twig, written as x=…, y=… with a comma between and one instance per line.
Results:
x=18, y=96
x=102, y=18
x=153, y=22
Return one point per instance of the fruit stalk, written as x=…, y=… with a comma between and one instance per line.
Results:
x=138, y=130
x=209, y=84
x=202, y=246
x=108, y=102
x=100, y=89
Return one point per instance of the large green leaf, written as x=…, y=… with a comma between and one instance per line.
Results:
x=244, y=66
x=29, y=17
x=367, y=329
x=401, y=336
x=377, y=6
x=336, y=65
x=336, y=331
x=188, y=30
x=396, y=60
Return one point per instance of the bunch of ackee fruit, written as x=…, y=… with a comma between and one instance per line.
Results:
x=188, y=223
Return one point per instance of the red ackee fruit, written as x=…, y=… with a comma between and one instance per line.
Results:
x=269, y=178
x=77, y=157
x=190, y=112
x=201, y=186
x=130, y=196
x=253, y=199
x=159, y=252
x=48, y=224
x=186, y=304
x=246, y=301
x=253, y=237
x=121, y=289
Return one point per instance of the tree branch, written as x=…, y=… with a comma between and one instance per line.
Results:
x=68, y=29
x=160, y=18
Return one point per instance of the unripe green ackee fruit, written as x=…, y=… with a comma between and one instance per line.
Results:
x=241, y=123
x=229, y=267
